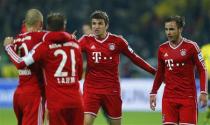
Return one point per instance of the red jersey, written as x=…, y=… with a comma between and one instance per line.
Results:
x=103, y=56
x=30, y=78
x=61, y=60
x=177, y=67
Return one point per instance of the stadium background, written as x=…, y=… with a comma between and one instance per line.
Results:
x=140, y=22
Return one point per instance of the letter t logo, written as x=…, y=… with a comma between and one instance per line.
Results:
x=96, y=56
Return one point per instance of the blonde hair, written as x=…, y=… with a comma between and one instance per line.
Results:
x=33, y=16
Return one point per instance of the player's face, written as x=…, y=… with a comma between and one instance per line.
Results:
x=172, y=31
x=99, y=27
x=86, y=29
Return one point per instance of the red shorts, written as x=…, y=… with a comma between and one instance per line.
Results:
x=179, y=111
x=29, y=109
x=111, y=104
x=66, y=116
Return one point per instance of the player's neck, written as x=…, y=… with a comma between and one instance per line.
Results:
x=102, y=36
x=32, y=29
x=177, y=42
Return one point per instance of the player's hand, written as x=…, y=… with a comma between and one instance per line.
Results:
x=203, y=99
x=153, y=102
x=8, y=40
x=74, y=34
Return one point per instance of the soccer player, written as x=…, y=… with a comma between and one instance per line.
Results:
x=206, y=56
x=29, y=95
x=102, y=86
x=177, y=59
x=60, y=57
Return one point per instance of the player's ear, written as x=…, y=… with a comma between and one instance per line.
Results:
x=180, y=30
x=107, y=26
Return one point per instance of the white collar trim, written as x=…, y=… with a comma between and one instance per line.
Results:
x=101, y=41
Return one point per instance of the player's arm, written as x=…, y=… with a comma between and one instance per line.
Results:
x=10, y=50
x=199, y=62
x=159, y=76
x=16, y=60
x=136, y=59
x=21, y=62
x=82, y=41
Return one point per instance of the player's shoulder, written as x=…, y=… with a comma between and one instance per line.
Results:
x=22, y=37
x=60, y=38
x=164, y=44
x=117, y=38
x=84, y=39
x=90, y=36
x=37, y=33
x=191, y=44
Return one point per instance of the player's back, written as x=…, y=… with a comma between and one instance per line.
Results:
x=30, y=78
x=62, y=67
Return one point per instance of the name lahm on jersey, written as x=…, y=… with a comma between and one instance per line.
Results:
x=66, y=80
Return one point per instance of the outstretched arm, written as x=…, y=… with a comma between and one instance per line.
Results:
x=137, y=59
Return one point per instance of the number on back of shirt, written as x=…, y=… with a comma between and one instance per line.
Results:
x=59, y=72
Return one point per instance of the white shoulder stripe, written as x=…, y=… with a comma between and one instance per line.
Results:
x=167, y=42
x=81, y=38
x=193, y=43
x=43, y=38
x=36, y=45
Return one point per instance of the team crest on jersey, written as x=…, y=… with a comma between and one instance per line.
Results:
x=111, y=46
x=183, y=52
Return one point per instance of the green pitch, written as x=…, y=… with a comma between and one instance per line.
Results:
x=7, y=117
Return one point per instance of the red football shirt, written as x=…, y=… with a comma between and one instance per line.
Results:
x=60, y=57
x=103, y=56
x=30, y=78
x=176, y=66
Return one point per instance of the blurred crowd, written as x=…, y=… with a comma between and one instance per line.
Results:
x=140, y=22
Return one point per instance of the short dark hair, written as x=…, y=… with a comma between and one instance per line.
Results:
x=180, y=21
x=56, y=22
x=98, y=14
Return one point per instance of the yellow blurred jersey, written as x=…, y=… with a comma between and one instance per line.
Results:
x=206, y=55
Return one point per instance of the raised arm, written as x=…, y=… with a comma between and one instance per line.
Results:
x=30, y=58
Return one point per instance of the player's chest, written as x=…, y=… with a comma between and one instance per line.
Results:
x=176, y=58
x=103, y=51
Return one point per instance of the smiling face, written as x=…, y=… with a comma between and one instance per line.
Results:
x=99, y=27
x=173, y=32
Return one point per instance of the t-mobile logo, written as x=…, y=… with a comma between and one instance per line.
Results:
x=169, y=63
x=96, y=56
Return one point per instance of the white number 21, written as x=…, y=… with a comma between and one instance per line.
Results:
x=59, y=72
